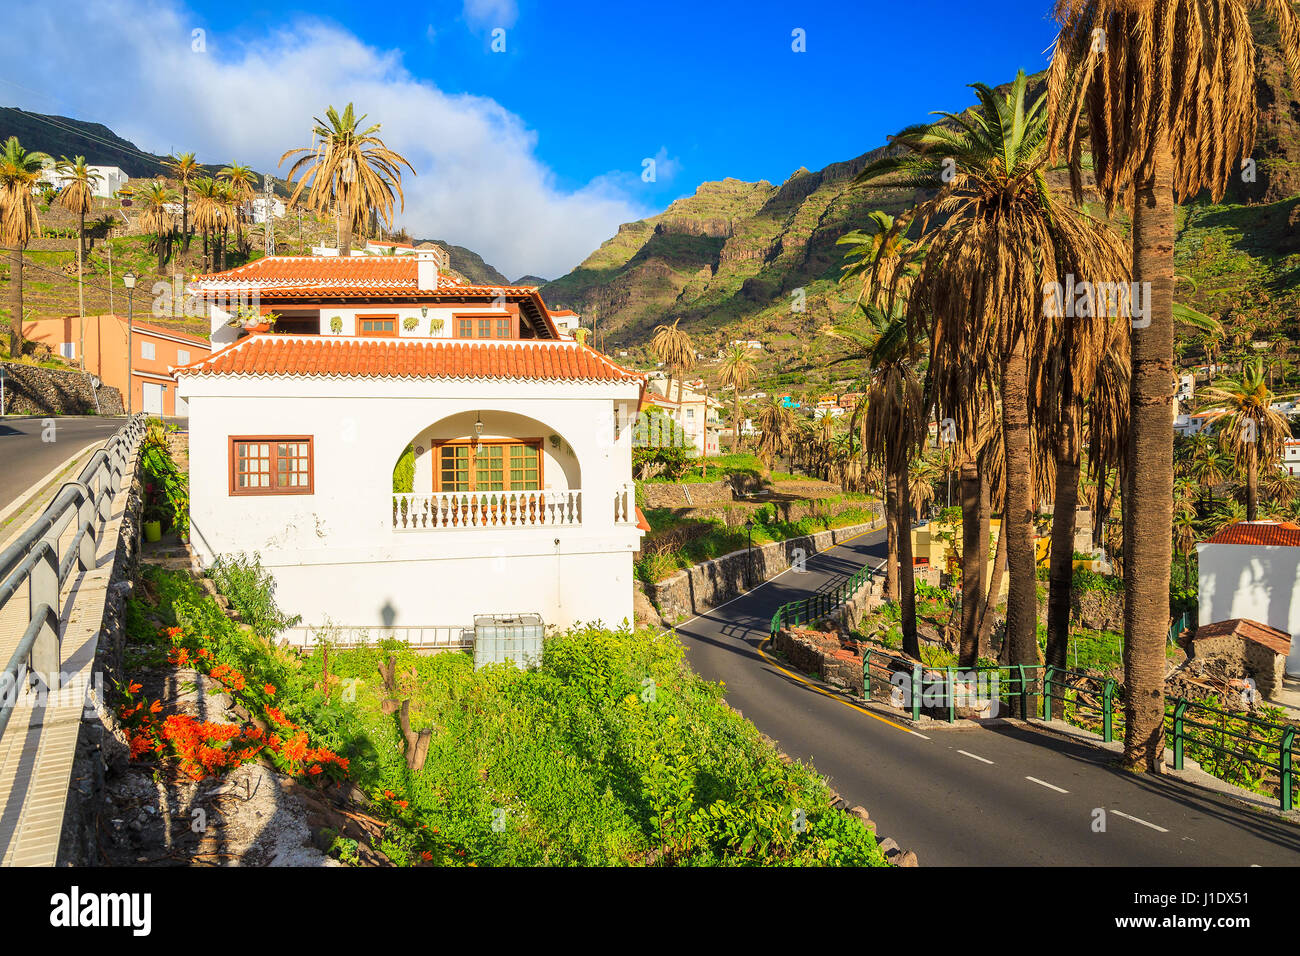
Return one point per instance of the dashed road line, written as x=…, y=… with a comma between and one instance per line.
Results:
x=1126, y=816
x=1049, y=786
x=974, y=756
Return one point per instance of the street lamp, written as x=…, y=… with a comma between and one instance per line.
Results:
x=128, y=280
x=749, y=529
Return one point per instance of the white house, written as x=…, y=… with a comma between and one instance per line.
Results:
x=111, y=179
x=695, y=412
x=567, y=321
x=1291, y=455
x=510, y=447
x=1186, y=387
x=1251, y=570
x=256, y=209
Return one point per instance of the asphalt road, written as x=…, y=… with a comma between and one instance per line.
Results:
x=965, y=797
x=26, y=457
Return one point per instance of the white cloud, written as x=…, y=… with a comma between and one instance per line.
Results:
x=479, y=183
x=490, y=13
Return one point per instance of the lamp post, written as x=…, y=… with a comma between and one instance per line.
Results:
x=128, y=280
x=749, y=530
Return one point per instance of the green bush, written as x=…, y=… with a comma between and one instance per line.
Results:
x=251, y=591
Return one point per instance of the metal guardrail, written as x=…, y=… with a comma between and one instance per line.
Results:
x=1181, y=715
x=34, y=559
x=819, y=605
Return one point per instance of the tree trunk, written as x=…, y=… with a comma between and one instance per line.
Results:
x=735, y=424
x=345, y=230
x=206, y=267
x=972, y=573
x=1252, y=481
x=15, y=302
x=1018, y=514
x=891, y=536
x=185, y=219
x=906, y=573
x=985, y=530
x=989, y=610
x=1148, y=500
x=1061, y=572
x=81, y=292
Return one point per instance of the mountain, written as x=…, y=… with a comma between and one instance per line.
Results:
x=737, y=259
x=470, y=264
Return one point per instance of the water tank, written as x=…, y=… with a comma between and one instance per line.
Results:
x=508, y=637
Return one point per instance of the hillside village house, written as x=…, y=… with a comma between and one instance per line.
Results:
x=510, y=449
x=111, y=179
x=1251, y=570
x=155, y=350
x=694, y=411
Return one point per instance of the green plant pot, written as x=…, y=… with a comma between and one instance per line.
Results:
x=153, y=530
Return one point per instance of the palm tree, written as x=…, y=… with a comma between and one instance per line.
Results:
x=776, y=426
x=207, y=216
x=884, y=246
x=187, y=171
x=892, y=426
x=19, y=173
x=1252, y=430
x=1168, y=89
x=78, y=196
x=242, y=181
x=673, y=346
x=156, y=219
x=350, y=169
x=1185, y=538
x=736, y=371
x=996, y=238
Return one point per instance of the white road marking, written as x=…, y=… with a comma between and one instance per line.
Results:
x=915, y=734
x=1049, y=786
x=974, y=756
x=1121, y=813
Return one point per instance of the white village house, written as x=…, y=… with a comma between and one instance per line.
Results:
x=1251, y=570
x=521, y=498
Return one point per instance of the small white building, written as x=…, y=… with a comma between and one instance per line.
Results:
x=696, y=412
x=257, y=209
x=510, y=448
x=1186, y=387
x=567, y=321
x=111, y=179
x=1251, y=570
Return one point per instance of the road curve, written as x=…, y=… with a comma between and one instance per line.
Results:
x=29, y=450
x=973, y=796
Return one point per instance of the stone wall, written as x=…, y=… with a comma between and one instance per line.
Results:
x=32, y=390
x=687, y=495
x=1094, y=610
x=706, y=585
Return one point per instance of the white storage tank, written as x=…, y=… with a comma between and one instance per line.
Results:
x=516, y=638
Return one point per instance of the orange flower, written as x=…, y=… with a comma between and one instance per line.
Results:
x=314, y=769
x=426, y=856
x=134, y=688
x=296, y=747
x=269, y=688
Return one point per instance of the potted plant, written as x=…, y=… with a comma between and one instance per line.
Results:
x=250, y=320
x=154, y=515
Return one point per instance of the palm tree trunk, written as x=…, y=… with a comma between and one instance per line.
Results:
x=1018, y=514
x=206, y=267
x=345, y=230
x=1061, y=572
x=81, y=292
x=1148, y=500
x=15, y=302
x=972, y=572
x=185, y=219
x=891, y=536
x=1252, y=480
x=985, y=513
x=735, y=424
x=989, y=609
x=906, y=573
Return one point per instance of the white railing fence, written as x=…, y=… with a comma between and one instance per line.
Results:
x=487, y=509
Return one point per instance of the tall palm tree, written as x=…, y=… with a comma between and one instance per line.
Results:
x=1250, y=428
x=892, y=427
x=350, y=170
x=776, y=429
x=673, y=346
x=886, y=247
x=187, y=171
x=1164, y=91
x=156, y=219
x=207, y=216
x=1185, y=537
x=78, y=196
x=242, y=181
x=19, y=173
x=737, y=370
x=996, y=240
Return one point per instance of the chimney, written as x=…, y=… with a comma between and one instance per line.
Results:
x=426, y=270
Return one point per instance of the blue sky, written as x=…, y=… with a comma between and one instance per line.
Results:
x=551, y=133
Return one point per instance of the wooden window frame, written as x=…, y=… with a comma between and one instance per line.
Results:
x=438, y=446
x=273, y=440
x=386, y=317
x=493, y=318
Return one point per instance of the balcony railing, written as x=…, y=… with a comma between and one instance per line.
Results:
x=502, y=509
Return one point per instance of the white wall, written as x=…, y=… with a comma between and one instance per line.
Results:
x=334, y=553
x=1258, y=583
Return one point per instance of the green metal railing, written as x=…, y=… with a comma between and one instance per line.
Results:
x=1177, y=628
x=1071, y=688
x=1254, y=737
x=817, y=606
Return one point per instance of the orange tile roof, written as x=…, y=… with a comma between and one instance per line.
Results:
x=1279, y=642
x=1260, y=533
x=335, y=357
